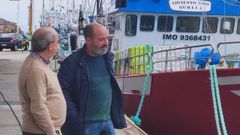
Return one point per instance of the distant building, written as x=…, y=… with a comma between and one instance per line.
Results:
x=8, y=27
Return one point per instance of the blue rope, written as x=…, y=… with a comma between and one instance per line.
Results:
x=136, y=118
x=217, y=101
x=214, y=102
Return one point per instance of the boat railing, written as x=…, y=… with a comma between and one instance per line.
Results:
x=177, y=59
x=167, y=60
x=229, y=60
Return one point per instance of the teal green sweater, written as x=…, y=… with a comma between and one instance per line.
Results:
x=100, y=94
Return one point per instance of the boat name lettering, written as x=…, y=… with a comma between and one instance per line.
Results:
x=190, y=5
x=186, y=37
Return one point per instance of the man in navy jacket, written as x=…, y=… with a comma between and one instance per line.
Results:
x=94, y=99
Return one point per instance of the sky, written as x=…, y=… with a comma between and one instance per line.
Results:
x=8, y=11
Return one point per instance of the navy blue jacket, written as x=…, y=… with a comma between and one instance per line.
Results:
x=73, y=77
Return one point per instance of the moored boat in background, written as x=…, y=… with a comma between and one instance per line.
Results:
x=186, y=39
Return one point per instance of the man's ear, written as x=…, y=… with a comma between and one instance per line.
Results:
x=88, y=40
x=50, y=46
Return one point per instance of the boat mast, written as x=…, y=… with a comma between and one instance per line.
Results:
x=100, y=17
x=18, y=11
x=43, y=16
x=30, y=18
x=98, y=7
x=80, y=21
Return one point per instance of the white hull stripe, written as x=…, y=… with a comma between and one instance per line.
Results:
x=229, y=80
x=133, y=83
x=236, y=92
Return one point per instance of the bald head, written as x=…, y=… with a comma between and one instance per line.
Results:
x=42, y=37
x=90, y=29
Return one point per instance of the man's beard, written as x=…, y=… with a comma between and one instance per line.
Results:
x=99, y=51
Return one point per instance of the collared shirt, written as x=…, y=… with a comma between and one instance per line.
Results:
x=40, y=58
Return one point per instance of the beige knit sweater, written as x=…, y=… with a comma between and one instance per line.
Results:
x=43, y=104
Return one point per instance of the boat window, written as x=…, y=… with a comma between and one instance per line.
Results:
x=131, y=25
x=187, y=24
x=147, y=23
x=227, y=25
x=210, y=25
x=238, y=27
x=165, y=23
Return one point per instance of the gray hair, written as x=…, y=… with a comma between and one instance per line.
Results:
x=41, y=40
x=88, y=31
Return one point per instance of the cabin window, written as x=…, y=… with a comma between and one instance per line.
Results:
x=131, y=25
x=210, y=25
x=165, y=23
x=238, y=27
x=147, y=23
x=188, y=24
x=227, y=25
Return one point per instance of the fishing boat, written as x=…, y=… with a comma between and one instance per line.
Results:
x=188, y=82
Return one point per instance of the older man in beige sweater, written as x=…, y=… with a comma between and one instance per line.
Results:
x=43, y=104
